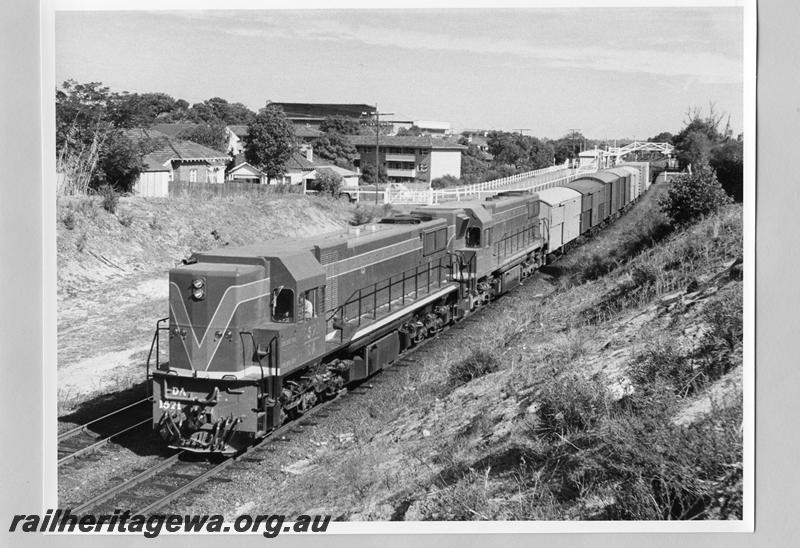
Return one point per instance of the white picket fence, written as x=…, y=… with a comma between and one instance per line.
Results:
x=531, y=180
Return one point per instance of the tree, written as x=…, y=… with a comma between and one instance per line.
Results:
x=663, y=137
x=692, y=196
x=524, y=152
x=728, y=161
x=341, y=125
x=270, y=141
x=119, y=163
x=446, y=181
x=412, y=131
x=328, y=182
x=218, y=111
x=333, y=145
x=474, y=165
x=368, y=174
x=210, y=135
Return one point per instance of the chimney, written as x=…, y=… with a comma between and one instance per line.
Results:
x=310, y=154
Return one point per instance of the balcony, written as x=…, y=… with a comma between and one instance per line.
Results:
x=409, y=173
x=391, y=157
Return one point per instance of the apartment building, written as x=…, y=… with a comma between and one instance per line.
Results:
x=411, y=159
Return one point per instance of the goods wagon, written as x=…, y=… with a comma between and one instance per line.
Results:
x=593, y=209
x=561, y=207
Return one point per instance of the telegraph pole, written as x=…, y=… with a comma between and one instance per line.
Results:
x=377, y=114
x=572, y=133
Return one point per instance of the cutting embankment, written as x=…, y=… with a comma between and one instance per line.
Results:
x=113, y=265
x=608, y=387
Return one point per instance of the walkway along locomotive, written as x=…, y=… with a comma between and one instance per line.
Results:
x=259, y=334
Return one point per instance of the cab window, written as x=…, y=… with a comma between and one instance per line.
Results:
x=283, y=306
x=308, y=304
x=474, y=236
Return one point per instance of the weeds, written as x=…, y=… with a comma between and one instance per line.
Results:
x=362, y=215
x=154, y=224
x=69, y=220
x=477, y=364
x=125, y=218
x=109, y=198
x=80, y=242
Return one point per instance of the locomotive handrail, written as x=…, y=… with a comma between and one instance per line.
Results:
x=358, y=296
x=155, y=343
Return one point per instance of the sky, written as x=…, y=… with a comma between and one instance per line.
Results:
x=608, y=72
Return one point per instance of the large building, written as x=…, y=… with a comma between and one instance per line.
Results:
x=313, y=114
x=411, y=159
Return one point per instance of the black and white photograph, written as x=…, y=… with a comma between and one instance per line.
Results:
x=402, y=269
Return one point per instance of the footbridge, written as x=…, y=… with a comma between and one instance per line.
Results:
x=400, y=194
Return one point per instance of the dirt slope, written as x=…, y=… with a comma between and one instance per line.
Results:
x=112, y=272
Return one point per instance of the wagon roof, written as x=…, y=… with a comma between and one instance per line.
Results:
x=558, y=194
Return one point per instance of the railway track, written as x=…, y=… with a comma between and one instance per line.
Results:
x=183, y=472
x=96, y=433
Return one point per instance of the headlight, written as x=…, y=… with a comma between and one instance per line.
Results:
x=198, y=283
x=199, y=294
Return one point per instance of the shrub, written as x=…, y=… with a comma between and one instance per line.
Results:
x=362, y=215
x=328, y=182
x=445, y=181
x=691, y=197
x=110, y=198
x=571, y=403
x=69, y=220
x=125, y=218
x=80, y=243
x=154, y=224
x=477, y=364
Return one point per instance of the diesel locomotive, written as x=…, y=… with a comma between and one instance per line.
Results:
x=259, y=334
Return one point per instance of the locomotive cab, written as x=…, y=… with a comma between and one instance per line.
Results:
x=240, y=320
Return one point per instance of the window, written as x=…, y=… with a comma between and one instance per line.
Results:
x=487, y=235
x=474, y=236
x=283, y=305
x=309, y=304
x=192, y=175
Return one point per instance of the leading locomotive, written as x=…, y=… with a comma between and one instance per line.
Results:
x=259, y=334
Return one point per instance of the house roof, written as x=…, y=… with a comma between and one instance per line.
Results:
x=340, y=171
x=181, y=150
x=238, y=130
x=173, y=129
x=140, y=133
x=316, y=110
x=424, y=141
x=246, y=166
x=299, y=161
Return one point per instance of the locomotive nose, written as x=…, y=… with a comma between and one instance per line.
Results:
x=211, y=304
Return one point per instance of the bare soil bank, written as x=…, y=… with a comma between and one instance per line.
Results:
x=112, y=272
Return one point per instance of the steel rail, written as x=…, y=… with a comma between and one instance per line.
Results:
x=82, y=428
x=99, y=443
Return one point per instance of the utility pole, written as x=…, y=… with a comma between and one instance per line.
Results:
x=377, y=114
x=572, y=133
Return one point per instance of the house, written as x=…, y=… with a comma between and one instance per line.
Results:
x=179, y=161
x=349, y=178
x=305, y=134
x=243, y=172
x=430, y=127
x=411, y=159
